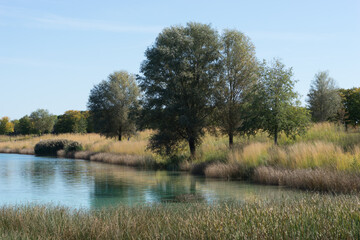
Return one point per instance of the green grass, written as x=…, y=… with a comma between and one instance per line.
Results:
x=309, y=217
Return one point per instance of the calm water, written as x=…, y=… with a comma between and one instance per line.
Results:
x=78, y=183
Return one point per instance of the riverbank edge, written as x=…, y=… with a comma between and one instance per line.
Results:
x=319, y=180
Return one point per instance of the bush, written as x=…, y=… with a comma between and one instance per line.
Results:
x=50, y=147
x=73, y=147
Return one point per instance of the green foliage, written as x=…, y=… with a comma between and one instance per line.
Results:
x=278, y=105
x=51, y=147
x=71, y=122
x=6, y=126
x=179, y=79
x=238, y=76
x=16, y=126
x=42, y=121
x=73, y=146
x=351, y=106
x=114, y=104
x=25, y=125
x=323, y=99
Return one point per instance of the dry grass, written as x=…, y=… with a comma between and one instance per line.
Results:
x=252, y=155
x=112, y=158
x=18, y=151
x=309, y=179
x=310, y=217
x=91, y=142
x=300, y=155
x=223, y=170
x=127, y=160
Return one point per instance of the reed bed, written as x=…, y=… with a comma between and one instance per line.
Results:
x=18, y=151
x=309, y=179
x=300, y=155
x=112, y=158
x=310, y=217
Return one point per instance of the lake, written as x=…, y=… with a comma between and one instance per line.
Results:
x=26, y=179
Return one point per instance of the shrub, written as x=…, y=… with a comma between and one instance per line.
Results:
x=73, y=147
x=51, y=147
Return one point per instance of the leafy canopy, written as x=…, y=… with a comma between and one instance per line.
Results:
x=323, y=99
x=351, y=104
x=42, y=121
x=238, y=76
x=71, y=122
x=113, y=104
x=279, y=107
x=6, y=126
x=179, y=79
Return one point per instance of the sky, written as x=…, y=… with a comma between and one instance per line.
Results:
x=53, y=52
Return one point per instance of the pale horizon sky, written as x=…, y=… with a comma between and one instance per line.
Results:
x=53, y=52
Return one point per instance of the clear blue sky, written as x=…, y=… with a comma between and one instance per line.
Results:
x=52, y=52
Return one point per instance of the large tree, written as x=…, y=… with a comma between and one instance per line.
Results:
x=113, y=104
x=42, y=121
x=323, y=99
x=279, y=108
x=179, y=79
x=237, y=78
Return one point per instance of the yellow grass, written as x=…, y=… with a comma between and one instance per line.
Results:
x=325, y=145
x=91, y=142
x=252, y=155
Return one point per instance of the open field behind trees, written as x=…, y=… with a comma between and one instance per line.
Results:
x=311, y=217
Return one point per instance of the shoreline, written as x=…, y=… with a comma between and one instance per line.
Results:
x=317, y=180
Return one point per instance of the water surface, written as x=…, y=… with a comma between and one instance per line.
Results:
x=79, y=183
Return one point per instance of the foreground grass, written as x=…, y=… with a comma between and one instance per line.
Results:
x=316, y=217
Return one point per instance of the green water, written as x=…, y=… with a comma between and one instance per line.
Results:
x=28, y=179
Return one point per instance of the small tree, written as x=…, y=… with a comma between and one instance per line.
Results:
x=179, y=79
x=15, y=123
x=351, y=106
x=6, y=126
x=238, y=76
x=42, y=121
x=279, y=105
x=71, y=122
x=114, y=104
x=323, y=100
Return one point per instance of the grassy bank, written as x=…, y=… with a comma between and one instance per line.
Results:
x=325, y=150
x=316, y=217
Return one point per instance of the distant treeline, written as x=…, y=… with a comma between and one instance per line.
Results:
x=42, y=122
x=194, y=79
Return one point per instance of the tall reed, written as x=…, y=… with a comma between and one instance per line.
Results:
x=310, y=217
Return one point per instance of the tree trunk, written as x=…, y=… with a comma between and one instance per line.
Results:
x=231, y=140
x=120, y=134
x=276, y=138
x=192, y=147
